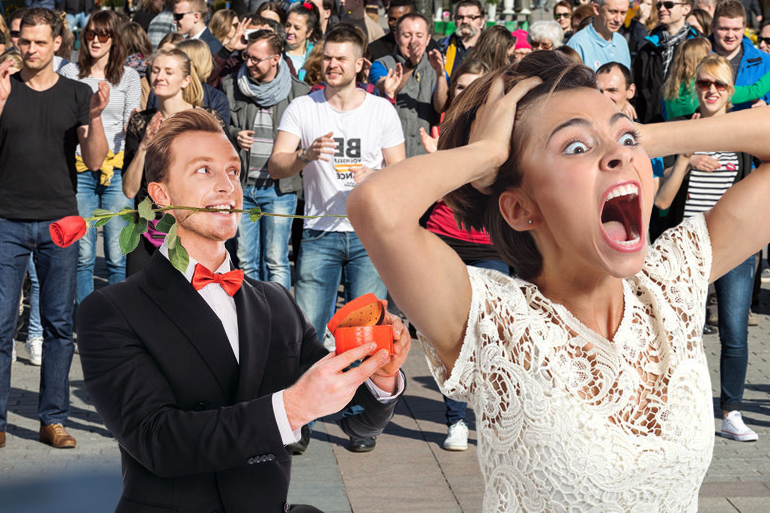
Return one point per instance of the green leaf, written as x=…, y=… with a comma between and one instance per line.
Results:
x=100, y=212
x=165, y=224
x=171, y=238
x=129, y=238
x=254, y=214
x=141, y=226
x=145, y=209
x=179, y=257
x=102, y=221
x=129, y=218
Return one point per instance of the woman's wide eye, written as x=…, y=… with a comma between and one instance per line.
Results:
x=576, y=148
x=628, y=139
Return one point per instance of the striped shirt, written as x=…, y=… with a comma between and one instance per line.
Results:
x=705, y=189
x=124, y=98
x=262, y=148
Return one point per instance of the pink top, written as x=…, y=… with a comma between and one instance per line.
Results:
x=442, y=222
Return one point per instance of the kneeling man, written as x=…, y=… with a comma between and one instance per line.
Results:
x=203, y=383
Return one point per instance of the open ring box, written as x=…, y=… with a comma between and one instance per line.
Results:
x=360, y=322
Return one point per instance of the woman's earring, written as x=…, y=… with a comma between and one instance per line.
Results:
x=530, y=221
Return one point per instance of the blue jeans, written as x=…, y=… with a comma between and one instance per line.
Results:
x=455, y=410
x=91, y=196
x=77, y=21
x=263, y=247
x=734, y=300
x=325, y=259
x=56, y=270
x=35, y=329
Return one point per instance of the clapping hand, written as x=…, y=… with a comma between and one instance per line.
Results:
x=393, y=81
x=238, y=41
x=152, y=128
x=100, y=99
x=429, y=142
x=321, y=148
x=436, y=59
x=5, y=79
x=361, y=173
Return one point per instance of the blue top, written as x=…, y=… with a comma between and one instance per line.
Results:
x=596, y=51
x=754, y=64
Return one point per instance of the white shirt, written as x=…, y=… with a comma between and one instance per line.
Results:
x=223, y=306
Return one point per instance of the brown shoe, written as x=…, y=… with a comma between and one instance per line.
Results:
x=55, y=436
x=2, y=438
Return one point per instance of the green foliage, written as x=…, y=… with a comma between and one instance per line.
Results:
x=129, y=235
x=145, y=209
x=255, y=214
x=165, y=224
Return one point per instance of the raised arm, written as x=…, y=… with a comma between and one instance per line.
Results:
x=426, y=278
x=93, y=142
x=738, y=223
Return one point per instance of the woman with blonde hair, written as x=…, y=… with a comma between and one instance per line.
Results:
x=101, y=57
x=176, y=86
x=691, y=189
x=679, y=93
x=587, y=370
x=223, y=24
x=494, y=48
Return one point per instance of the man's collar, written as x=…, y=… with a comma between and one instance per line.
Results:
x=198, y=35
x=188, y=273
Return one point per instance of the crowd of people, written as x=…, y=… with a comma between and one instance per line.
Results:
x=314, y=98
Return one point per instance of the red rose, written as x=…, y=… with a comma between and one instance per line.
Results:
x=68, y=230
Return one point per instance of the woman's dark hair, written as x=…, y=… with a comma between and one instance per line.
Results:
x=492, y=46
x=471, y=208
x=468, y=67
x=312, y=15
x=136, y=40
x=172, y=38
x=271, y=6
x=111, y=23
x=704, y=19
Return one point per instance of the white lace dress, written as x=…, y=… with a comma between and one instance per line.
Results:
x=569, y=421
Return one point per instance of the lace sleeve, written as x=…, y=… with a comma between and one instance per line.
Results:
x=492, y=327
x=679, y=266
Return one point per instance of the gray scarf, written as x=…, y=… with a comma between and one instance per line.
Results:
x=265, y=94
x=669, y=43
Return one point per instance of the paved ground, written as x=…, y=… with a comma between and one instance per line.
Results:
x=408, y=472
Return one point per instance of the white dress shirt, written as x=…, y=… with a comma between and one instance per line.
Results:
x=224, y=307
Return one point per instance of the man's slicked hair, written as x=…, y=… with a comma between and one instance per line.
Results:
x=730, y=9
x=40, y=16
x=159, y=158
x=274, y=40
x=608, y=67
x=413, y=16
x=346, y=33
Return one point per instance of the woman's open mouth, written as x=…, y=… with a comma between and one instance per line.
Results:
x=621, y=217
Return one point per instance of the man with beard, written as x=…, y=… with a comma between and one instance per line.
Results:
x=470, y=19
x=422, y=87
x=600, y=43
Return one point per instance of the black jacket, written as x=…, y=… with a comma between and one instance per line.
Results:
x=196, y=429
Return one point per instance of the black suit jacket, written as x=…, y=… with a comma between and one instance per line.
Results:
x=197, y=431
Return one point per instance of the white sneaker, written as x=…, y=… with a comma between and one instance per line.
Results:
x=733, y=427
x=35, y=349
x=457, y=437
x=13, y=352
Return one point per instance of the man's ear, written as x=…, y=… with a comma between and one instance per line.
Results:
x=158, y=193
x=631, y=91
x=518, y=210
x=57, y=43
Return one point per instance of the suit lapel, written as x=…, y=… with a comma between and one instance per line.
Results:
x=254, y=332
x=184, y=306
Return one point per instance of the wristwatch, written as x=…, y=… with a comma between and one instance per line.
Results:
x=303, y=156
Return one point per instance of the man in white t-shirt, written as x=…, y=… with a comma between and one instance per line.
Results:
x=337, y=136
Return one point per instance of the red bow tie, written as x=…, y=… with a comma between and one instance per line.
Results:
x=230, y=281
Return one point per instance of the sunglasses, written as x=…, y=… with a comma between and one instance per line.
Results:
x=668, y=5
x=102, y=36
x=541, y=46
x=706, y=85
x=765, y=40
x=179, y=15
x=15, y=33
x=561, y=15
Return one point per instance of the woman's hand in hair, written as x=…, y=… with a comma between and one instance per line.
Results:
x=492, y=130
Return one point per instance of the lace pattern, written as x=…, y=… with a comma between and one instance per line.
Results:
x=569, y=421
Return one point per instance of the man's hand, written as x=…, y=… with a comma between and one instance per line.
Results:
x=429, y=142
x=436, y=59
x=5, y=80
x=630, y=111
x=704, y=163
x=393, y=81
x=386, y=377
x=361, y=173
x=324, y=389
x=321, y=147
x=244, y=139
x=758, y=103
x=99, y=100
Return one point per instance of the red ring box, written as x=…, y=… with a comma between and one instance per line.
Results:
x=360, y=322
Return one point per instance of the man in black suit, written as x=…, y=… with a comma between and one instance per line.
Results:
x=190, y=20
x=204, y=385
